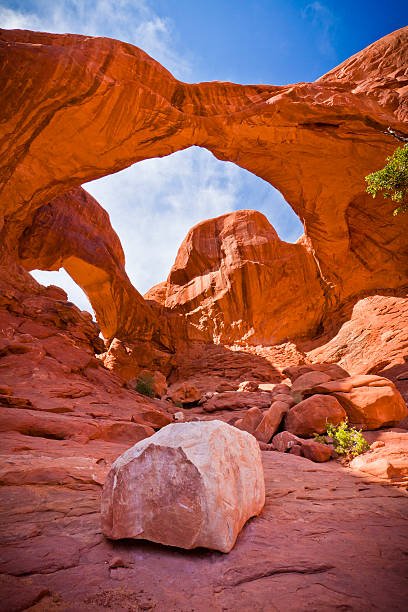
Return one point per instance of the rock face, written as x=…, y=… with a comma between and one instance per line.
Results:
x=65, y=417
x=191, y=485
x=370, y=401
x=74, y=232
x=334, y=131
x=371, y=339
x=387, y=458
x=227, y=281
x=312, y=415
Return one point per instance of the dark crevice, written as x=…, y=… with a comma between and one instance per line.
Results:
x=281, y=570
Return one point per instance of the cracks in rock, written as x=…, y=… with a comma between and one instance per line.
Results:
x=291, y=569
x=397, y=134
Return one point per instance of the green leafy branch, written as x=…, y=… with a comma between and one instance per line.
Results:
x=392, y=180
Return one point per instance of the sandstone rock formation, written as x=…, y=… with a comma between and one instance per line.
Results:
x=387, y=459
x=228, y=283
x=190, y=485
x=371, y=339
x=338, y=295
x=369, y=401
x=333, y=132
x=312, y=415
x=74, y=232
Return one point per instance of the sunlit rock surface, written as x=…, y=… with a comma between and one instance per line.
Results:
x=75, y=108
x=315, y=142
x=190, y=485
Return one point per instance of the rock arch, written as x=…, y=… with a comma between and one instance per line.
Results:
x=80, y=108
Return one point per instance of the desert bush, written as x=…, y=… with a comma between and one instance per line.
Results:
x=145, y=385
x=347, y=440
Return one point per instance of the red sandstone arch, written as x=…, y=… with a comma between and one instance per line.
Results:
x=78, y=108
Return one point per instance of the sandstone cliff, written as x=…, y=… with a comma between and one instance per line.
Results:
x=101, y=105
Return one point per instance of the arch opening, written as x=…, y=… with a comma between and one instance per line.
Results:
x=62, y=279
x=154, y=203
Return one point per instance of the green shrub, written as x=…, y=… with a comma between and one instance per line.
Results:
x=392, y=180
x=320, y=439
x=347, y=440
x=145, y=385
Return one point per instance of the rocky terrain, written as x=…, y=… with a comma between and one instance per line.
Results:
x=270, y=337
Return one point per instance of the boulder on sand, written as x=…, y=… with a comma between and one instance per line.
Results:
x=189, y=485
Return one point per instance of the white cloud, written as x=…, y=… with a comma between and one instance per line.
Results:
x=154, y=203
x=131, y=21
x=323, y=19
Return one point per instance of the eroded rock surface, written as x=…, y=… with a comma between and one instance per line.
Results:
x=371, y=401
x=66, y=417
x=335, y=131
x=298, y=553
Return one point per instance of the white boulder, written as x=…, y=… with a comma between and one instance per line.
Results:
x=189, y=485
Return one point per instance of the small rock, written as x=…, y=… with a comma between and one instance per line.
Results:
x=117, y=562
x=377, y=444
x=312, y=415
x=284, y=440
x=281, y=389
x=284, y=397
x=250, y=421
x=271, y=421
x=265, y=447
x=179, y=416
x=156, y=418
x=184, y=393
x=248, y=385
x=237, y=400
x=206, y=396
x=304, y=383
x=297, y=450
x=315, y=451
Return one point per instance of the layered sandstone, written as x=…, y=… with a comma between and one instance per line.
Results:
x=74, y=232
x=314, y=141
x=235, y=280
x=80, y=107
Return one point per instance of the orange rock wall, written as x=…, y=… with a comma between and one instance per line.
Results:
x=101, y=105
x=235, y=280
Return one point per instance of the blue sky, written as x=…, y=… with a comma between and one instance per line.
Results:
x=154, y=203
